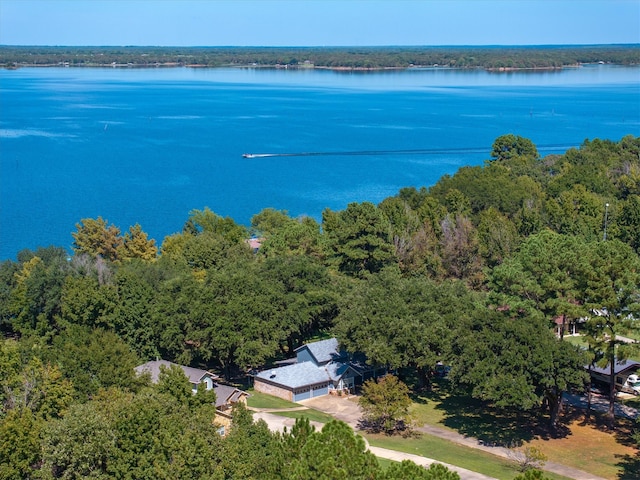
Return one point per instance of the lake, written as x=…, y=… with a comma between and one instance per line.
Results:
x=148, y=146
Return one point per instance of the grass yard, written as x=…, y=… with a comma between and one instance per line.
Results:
x=262, y=400
x=447, y=452
x=593, y=449
x=311, y=414
x=587, y=447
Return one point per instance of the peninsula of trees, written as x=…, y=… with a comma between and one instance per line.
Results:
x=361, y=58
x=484, y=271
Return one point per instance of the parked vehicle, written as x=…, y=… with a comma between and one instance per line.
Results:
x=632, y=384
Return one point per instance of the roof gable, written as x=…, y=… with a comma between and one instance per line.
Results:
x=226, y=394
x=323, y=351
x=337, y=370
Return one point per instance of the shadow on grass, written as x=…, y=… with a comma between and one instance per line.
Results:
x=629, y=466
x=623, y=428
x=491, y=425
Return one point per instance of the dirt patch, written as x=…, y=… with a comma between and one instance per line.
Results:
x=588, y=448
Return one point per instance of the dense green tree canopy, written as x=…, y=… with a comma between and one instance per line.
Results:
x=473, y=271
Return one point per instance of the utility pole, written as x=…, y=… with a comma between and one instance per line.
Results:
x=606, y=215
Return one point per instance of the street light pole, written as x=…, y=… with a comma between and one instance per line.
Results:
x=606, y=215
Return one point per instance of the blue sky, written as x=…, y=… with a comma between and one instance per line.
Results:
x=318, y=22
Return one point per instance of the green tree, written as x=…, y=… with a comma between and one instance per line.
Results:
x=305, y=300
x=515, y=361
x=79, y=445
x=86, y=302
x=270, y=221
x=20, y=452
x=8, y=281
x=96, y=238
x=251, y=450
x=35, y=302
x=532, y=474
x=402, y=322
x=613, y=297
x=546, y=276
x=576, y=211
x=335, y=452
x=300, y=237
x=497, y=237
x=358, y=238
x=136, y=244
x=508, y=146
x=132, y=316
x=385, y=405
x=201, y=221
x=172, y=381
x=210, y=250
x=629, y=222
x=32, y=384
x=93, y=359
x=407, y=469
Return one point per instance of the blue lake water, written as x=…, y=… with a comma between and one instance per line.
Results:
x=148, y=146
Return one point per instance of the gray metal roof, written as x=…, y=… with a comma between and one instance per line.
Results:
x=618, y=367
x=324, y=350
x=195, y=375
x=296, y=376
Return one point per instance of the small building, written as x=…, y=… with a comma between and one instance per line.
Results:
x=196, y=376
x=621, y=370
x=226, y=395
x=255, y=244
x=320, y=368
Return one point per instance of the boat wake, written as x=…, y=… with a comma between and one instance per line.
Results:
x=423, y=151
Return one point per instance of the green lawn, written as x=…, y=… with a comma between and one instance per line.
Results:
x=454, y=454
x=447, y=408
x=262, y=400
x=311, y=414
x=576, y=340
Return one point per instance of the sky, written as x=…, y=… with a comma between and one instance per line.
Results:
x=318, y=22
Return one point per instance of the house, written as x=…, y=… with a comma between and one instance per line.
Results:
x=196, y=376
x=255, y=244
x=621, y=370
x=226, y=395
x=319, y=368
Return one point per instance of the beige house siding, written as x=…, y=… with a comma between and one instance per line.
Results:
x=264, y=387
x=223, y=422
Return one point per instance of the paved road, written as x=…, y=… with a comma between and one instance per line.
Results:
x=600, y=403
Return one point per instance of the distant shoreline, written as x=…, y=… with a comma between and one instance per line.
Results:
x=312, y=67
x=493, y=59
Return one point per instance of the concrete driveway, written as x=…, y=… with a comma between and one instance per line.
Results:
x=342, y=408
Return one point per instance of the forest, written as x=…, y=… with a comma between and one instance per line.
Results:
x=492, y=58
x=485, y=271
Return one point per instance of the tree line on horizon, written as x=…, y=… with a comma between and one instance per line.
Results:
x=478, y=271
x=494, y=58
